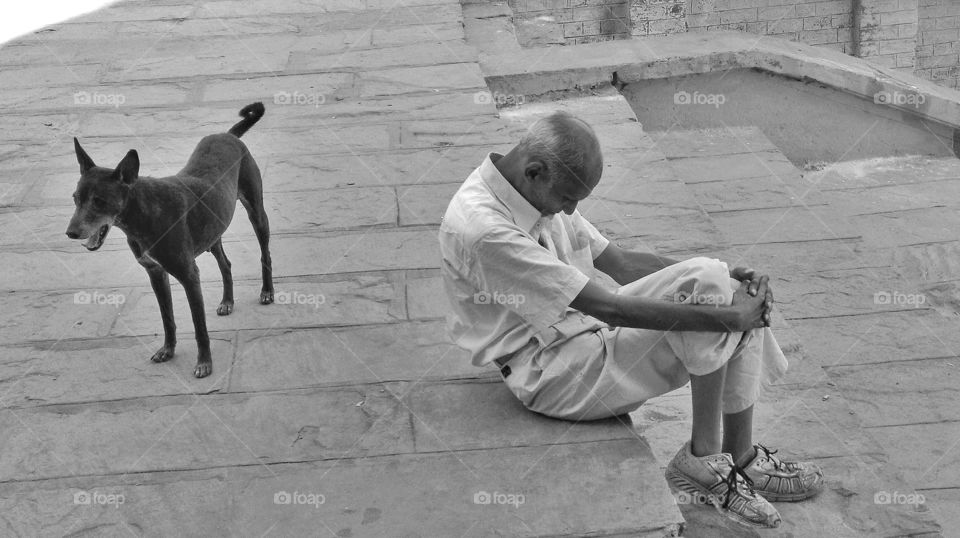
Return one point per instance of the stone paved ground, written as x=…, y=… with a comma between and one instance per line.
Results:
x=347, y=389
x=350, y=390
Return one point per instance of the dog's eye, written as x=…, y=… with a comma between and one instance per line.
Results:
x=99, y=202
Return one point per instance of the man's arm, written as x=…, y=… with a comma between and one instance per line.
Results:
x=746, y=312
x=625, y=266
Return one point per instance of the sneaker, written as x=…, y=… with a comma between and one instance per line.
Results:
x=780, y=480
x=723, y=484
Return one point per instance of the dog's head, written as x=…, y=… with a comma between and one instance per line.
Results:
x=100, y=197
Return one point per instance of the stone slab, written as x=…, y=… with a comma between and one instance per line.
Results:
x=754, y=193
x=356, y=299
x=426, y=298
x=71, y=371
x=437, y=52
x=439, y=488
x=783, y=224
x=914, y=391
x=726, y=167
x=901, y=228
x=196, y=432
x=424, y=204
x=733, y=140
x=434, y=78
x=668, y=233
x=298, y=255
x=448, y=416
x=85, y=313
x=879, y=337
x=925, y=453
x=219, y=116
x=844, y=292
x=884, y=172
x=397, y=167
x=348, y=355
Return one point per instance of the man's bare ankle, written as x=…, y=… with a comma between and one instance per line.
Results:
x=701, y=449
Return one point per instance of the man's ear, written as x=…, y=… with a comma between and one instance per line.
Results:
x=534, y=170
x=85, y=161
x=129, y=167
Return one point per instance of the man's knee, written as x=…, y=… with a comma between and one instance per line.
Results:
x=704, y=281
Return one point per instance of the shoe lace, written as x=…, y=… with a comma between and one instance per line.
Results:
x=731, y=481
x=769, y=454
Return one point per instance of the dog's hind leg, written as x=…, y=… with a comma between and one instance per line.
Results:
x=226, y=304
x=250, y=187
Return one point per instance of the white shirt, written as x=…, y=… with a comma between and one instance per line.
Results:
x=503, y=286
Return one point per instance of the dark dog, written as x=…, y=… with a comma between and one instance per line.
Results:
x=170, y=221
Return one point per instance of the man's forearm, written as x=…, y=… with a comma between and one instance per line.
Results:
x=636, y=265
x=646, y=313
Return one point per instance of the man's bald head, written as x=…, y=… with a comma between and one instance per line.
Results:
x=568, y=148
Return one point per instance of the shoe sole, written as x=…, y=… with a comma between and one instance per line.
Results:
x=681, y=482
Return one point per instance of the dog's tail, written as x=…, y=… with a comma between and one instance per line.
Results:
x=251, y=114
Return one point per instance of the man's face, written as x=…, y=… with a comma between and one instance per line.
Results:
x=554, y=192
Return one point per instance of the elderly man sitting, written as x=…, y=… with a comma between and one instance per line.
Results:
x=517, y=256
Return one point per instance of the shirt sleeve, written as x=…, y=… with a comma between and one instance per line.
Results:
x=598, y=243
x=513, y=271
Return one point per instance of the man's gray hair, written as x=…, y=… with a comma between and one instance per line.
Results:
x=556, y=142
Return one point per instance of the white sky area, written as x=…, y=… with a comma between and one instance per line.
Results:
x=25, y=16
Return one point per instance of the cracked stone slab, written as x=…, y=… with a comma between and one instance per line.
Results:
x=288, y=358
x=69, y=371
x=617, y=475
x=197, y=432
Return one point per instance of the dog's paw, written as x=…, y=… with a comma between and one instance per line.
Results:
x=225, y=308
x=163, y=354
x=266, y=297
x=203, y=369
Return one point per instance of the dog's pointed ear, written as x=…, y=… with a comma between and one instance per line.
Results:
x=129, y=168
x=85, y=161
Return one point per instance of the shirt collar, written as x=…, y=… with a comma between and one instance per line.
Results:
x=524, y=215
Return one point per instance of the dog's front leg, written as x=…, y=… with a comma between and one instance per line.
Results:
x=191, y=283
x=161, y=288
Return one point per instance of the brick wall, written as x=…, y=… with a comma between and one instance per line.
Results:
x=921, y=36
x=825, y=23
x=938, y=42
x=570, y=22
